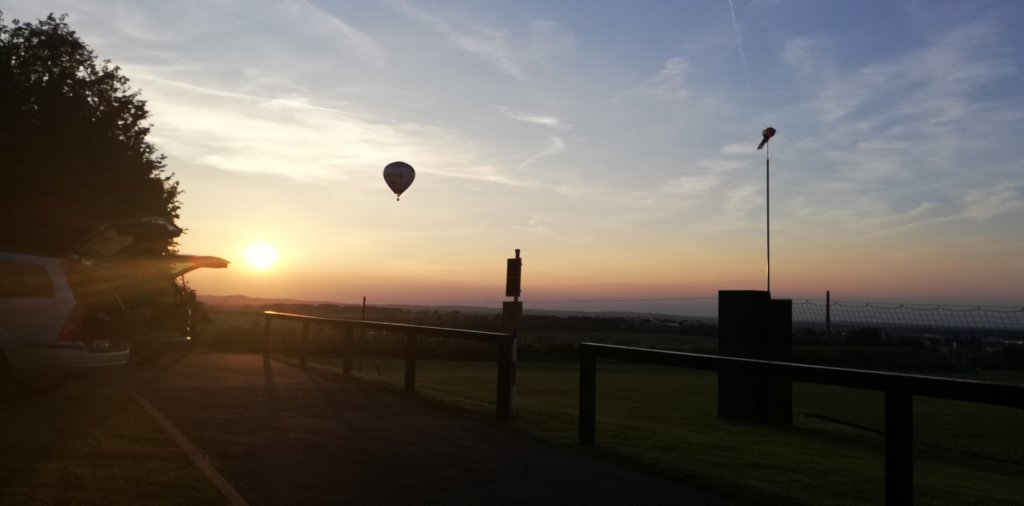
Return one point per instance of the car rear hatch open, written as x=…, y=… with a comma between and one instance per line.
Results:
x=128, y=237
x=125, y=281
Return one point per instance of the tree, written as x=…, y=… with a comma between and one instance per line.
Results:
x=73, y=148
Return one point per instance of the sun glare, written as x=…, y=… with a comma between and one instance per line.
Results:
x=261, y=256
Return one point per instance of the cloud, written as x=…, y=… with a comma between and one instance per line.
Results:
x=301, y=140
x=890, y=145
x=270, y=32
x=690, y=186
x=739, y=148
x=555, y=146
x=344, y=36
x=669, y=83
x=954, y=65
x=806, y=56
x=549, y=121
x=537, y=225
x=499, y=47
x=739, y=38
x=1000, y=200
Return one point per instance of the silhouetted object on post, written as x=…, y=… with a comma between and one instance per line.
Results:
x=512, y=312
x=766, y=135
x=398, y=176
x=752, y=325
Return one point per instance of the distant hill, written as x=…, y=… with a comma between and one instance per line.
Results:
x=245, y=300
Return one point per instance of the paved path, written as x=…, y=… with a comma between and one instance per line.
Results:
x=281, y=435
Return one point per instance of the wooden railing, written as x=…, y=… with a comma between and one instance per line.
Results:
x=506, y=344
x=899, y=390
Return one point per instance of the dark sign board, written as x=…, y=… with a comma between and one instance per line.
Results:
x=513, y=277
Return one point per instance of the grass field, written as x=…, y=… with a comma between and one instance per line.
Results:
x=91, y=443
x=664, y=419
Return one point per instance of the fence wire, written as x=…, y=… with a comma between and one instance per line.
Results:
x=967, y=342
x=992, y=325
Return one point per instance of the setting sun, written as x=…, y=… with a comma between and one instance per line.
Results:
x=261, y=256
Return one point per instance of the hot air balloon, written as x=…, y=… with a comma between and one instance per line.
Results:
x=398, y=176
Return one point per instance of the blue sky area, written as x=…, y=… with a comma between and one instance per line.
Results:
x=612, y=141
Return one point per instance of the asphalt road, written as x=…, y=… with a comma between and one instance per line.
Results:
x=282, y=435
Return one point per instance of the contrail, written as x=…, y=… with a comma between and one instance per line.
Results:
x=739, y=38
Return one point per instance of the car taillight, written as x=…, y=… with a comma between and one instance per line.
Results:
x=73, y=325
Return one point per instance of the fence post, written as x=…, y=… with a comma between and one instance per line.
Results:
x=410, y=361
x=828, y=315
x=588, y=395
x=899, y=447
x=303, y=343
x=346, y=351
x=506, y=378
x=266, y=335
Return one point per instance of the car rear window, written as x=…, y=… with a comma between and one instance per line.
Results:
x=19, y=279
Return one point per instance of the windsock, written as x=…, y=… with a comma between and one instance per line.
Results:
x=766, y=134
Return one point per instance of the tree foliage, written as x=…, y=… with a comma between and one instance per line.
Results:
x=73, y=148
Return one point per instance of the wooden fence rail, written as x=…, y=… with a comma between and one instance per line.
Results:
x=899, y=390
x=506, y=344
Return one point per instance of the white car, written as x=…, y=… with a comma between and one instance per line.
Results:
x=87, y=311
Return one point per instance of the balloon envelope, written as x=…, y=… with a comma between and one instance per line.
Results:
x=398, y=176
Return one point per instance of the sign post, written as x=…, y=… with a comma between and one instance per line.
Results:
x=512, y=312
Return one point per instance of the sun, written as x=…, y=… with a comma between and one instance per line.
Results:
x=261, y=256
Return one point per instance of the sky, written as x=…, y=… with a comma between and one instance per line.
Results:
x=613, y=142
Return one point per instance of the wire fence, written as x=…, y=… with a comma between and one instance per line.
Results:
x=995, y=326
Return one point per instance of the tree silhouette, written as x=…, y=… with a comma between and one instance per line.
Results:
x=73, y=148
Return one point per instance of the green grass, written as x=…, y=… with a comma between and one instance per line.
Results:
x=665, y=419
x=91, y=443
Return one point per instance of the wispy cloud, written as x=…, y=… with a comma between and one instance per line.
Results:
x=298, y=139
x=669, y=83
x=262, y=31
x=692, y=185
x=895, y=140
x=496, y=46
x=952, y=66
x=739, y=37
x=333, y=28
x=538, y=119
x=1000, y=200
x=555, y=146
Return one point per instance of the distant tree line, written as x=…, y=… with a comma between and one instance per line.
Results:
x=558, y=337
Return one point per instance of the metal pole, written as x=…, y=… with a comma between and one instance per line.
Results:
x=828, y=315
x=768, y=214
x=362, y=333
x=513, y=353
